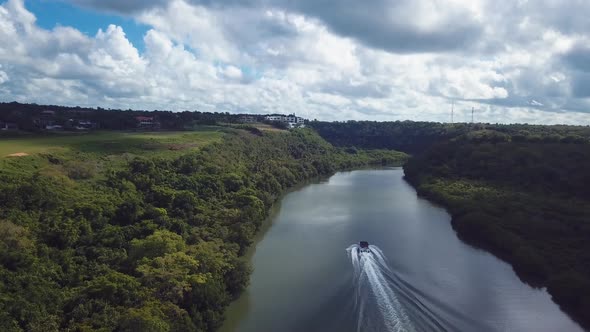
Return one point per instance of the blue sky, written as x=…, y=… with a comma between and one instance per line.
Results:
x=51, y=13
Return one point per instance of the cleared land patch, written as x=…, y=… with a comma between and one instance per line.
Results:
x=110, y=143
x=18, y=154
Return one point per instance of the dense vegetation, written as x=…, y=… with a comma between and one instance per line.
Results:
x=529, y=203
x=417, y=137
x=23, y=115
x=148, y=242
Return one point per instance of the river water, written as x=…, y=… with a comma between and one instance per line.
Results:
x=418, y=276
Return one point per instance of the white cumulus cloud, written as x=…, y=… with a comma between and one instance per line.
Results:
x=522, y=61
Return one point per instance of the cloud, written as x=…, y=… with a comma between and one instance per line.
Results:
x=125, y=7
x=570, y=17
x=332, y=60
x=577, y=60
x=3, y=76
x=232, y=72
x=400, y=26
x=193, y=26
x=354, y=89
x=578, y=57
x=64, y=62
x=581, y=85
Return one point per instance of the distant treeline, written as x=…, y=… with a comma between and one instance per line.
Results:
x=152, y=245
x=520, y=191
x=415, y=137
x=24, y=115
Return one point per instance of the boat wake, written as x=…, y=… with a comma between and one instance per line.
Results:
x=384, y=302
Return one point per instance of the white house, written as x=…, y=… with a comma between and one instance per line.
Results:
x=147, y=122
x=279, y=118
x=292, y=120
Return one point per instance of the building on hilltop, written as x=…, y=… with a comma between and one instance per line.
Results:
x=81, y=124
x=274, y=117
x=147, y=122
x=292, y=120
x=46, y=120
x=54, y=127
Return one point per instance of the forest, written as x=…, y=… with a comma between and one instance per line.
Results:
x=23, y=116
x=416, y=137
x=92, y=241
x=519, y=191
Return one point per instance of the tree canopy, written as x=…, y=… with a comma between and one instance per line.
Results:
x=150, y=243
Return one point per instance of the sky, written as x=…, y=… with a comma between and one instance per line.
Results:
x=513, y=61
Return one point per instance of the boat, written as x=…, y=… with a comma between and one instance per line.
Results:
x=364, y=246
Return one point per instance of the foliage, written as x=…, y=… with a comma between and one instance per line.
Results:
x=24, y=115
x=145, y=241
x=526, y=201
x=278, y=124
x=417, y=137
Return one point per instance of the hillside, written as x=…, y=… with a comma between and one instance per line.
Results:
x=143, y=233
x=417, y=137
x=528, y=203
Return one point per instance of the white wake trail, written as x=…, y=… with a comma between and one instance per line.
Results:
x=377, y=304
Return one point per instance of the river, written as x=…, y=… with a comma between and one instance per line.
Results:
x=309, y=276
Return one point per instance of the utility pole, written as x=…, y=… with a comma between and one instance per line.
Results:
x=472, y=108
x=452, y=111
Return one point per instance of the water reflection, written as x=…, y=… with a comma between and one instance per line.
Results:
x=303, y=279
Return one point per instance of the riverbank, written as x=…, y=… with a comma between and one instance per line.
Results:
x=525, y=210
x=148, y=238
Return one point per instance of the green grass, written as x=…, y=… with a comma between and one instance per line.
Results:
x=111, y=143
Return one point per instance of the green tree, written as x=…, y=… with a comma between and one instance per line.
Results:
x=171, y=276
x=160, y=243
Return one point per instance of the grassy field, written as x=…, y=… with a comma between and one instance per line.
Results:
x=267, y=127
x=110, y=143
x=89, y=156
